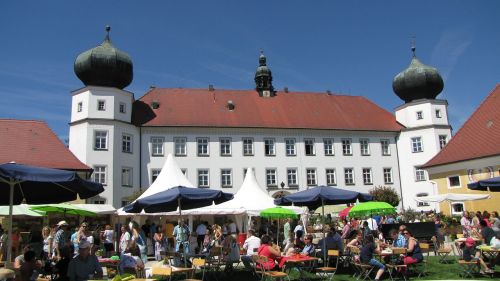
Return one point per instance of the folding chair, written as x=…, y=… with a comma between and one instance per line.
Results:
x=395, y=270
x=328, y=271
x=442, y=252
x=421, y=268
x=198, y=264
x=364, y=270
x=468, y=269
x=265, y=273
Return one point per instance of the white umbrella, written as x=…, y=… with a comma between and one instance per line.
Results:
x=452, y=197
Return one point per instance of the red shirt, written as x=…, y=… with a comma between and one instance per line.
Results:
x=264, y=251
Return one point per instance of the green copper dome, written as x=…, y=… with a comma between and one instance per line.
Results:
x=418, y=81
x=104, y=65
x=263, y=76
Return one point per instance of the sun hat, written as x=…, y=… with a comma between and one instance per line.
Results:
x=61, y=223
x=84, y=244
x=469, y=242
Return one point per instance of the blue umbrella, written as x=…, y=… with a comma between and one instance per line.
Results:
x=37, y=185
x=178, y=197
x=492, y=183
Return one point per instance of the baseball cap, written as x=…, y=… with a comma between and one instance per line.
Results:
x=62, y=223
x=84, y=244
x=469, y=241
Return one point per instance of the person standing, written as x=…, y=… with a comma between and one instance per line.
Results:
x=201, y=229
x=124, y=239
x=299, y=230
x=60, y=238
x=159, y=240
x=47, y=244
x=181, y=236
x=466, y=224
x=108, y=241
x=138, y=239
x=286, y=231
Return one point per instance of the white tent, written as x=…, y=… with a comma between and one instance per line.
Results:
x=100, y=209
x=452, y=197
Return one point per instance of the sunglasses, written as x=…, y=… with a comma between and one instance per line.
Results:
x=406, y=233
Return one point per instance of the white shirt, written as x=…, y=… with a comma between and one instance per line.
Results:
x=201, y=229
x=372, y=224
x=108, y=236
x=299, y=227
x=232, y=228
x=251, y=243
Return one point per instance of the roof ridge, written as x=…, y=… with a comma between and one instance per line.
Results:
x=22, y=120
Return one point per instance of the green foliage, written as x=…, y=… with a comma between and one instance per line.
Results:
x=385, y=194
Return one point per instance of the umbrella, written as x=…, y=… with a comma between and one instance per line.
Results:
x=492, y=183
x=62, y=208
x=278, y=213
x=369, y=208
x=321, y=196
x=178, y=197
x=345, y=212
x=20, y=210
x=37, y=185
x=452, y=197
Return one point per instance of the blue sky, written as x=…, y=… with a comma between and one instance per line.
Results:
x=348, y=47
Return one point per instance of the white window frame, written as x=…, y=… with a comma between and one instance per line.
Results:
x=443, y=140
x=417, y=145
x=367, y=176
x=458, y=212
x=101, y=105
x=203, y=147
x=269, y=147
x=328, y=147
x=292, y=177
x=122, y=107
x=311, y=177
x=349, y=176
x=154, y=174
x=422, y=204
x=127, y=143
x=79, y=107
x=247, y=146
x=100, y=174
x=420, y=174
x=448, y=182
x=388, y=176
x=157, y=146
x=347, y=147
x=225, y=146
x=203, y=178
x=127, y=177
x=309, y=144
x=226, y=178
x=290, y=147
x=386, y=147
x=420, y=115
x=438, y=113
x=271, y=177
x=101, y=141
x=331, y=176
x=180, y=146
x=364, y=146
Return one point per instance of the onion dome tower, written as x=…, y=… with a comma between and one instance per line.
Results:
x=418, y=81
x=104, y=65
x=264, y=78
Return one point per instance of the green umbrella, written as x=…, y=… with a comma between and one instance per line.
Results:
x=20, y=210
x=278, y=213
x=371, y=208
x=62, y=208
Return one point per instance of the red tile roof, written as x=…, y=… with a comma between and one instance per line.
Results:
x=34, y=143
x=292, y=110
x=479, y=137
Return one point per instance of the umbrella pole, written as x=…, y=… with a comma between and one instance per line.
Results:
x=278, y=233
x=179, y=204
x=8, y=263
x=322, y=230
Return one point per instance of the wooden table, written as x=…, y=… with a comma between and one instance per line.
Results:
x=300, y=262
x=171, y=270
x=490, y=253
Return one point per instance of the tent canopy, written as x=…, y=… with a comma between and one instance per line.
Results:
x=492, y=183
x=451, y=197
x=100, y=209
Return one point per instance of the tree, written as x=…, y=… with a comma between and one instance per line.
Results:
x=385, y=194
x=135, y=195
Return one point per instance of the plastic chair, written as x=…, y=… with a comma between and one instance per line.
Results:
x=329, y=271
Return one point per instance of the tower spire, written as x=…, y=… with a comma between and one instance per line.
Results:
x=264, y=78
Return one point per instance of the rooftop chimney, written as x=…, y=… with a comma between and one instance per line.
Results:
x=210, y=87
x=230, y=105
x=285, y=89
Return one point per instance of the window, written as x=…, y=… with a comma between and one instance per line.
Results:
x=311, y=177
x=154, y=174
x=419, y=174
x=157, y=146
x=126, y=176
x=309, y=147
x=269, y=147
x=454, y=182
x=422, y=204
x=291, y=176
x=123, y=107
x=438, y=113
x=388, y=176
x=331, y=178
x=124, y=203
x=101, y=105
x=290, y=147
x=346, y=147
x=271, y=177
x=349, y=176
x=328, y=146
x=202, y=146
x=442, y=141
x=225, y=147
x=386, y=150
x=100, y=174
x=420, y=115
x=126, y=143
x=457, y=208
x=79, y=107
x=99, y=201
x=226, y=177
x=101, y=140
x=416, y=144
x=247, y=147
x=180, y=146
x=203, y=178
x=365, y=147
x=367, y=176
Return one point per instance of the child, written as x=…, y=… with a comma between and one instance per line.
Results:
x=471, y=254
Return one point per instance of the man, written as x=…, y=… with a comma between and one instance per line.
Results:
x=181, y=236
x=465, y=223
x=232, y=229
x=286, y=231
x=60, y=238
x=251, y=243
x=487, y=232
x=372, y=224
x=146, y=228
x=84, y=266
x=201, y=229
x=333, y=241
x=400, y=241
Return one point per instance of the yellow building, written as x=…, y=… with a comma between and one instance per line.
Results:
x=471, y=155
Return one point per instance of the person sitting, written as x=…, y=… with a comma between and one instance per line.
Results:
x=357, y=242
x=271, y=252
x=413, y=252
x=61, y=267
x=309, y=248
x=251, y=243
x=333, y=241
x=486, y=232
x=289, y=245
x=471, y=254
x=400, y=241
x=366, y=255
x=19, y=260
x=131, y=260
x=30, y=267
x=84, y=266
x=230, y=252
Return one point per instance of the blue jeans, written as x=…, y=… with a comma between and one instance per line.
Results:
x=246, y=261
x=185, y=245
x=377, y=264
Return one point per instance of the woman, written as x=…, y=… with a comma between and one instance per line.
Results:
x=271, y=252
x=107, y=236
x=413, y=252
x=124, y=239
x=470, y=253
x=366, y=255
x=207, y=239
x=309, y=248
x=357, y=242
x=16, y=241
x=159, y=240
x=47, y=243
x=217, y=230
x=346, y=229
x=138, y=239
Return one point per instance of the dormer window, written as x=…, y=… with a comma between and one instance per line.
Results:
x=438, y=113
x=420, y=115
x=101, y=105
x=79, y=107
x=123, y=107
